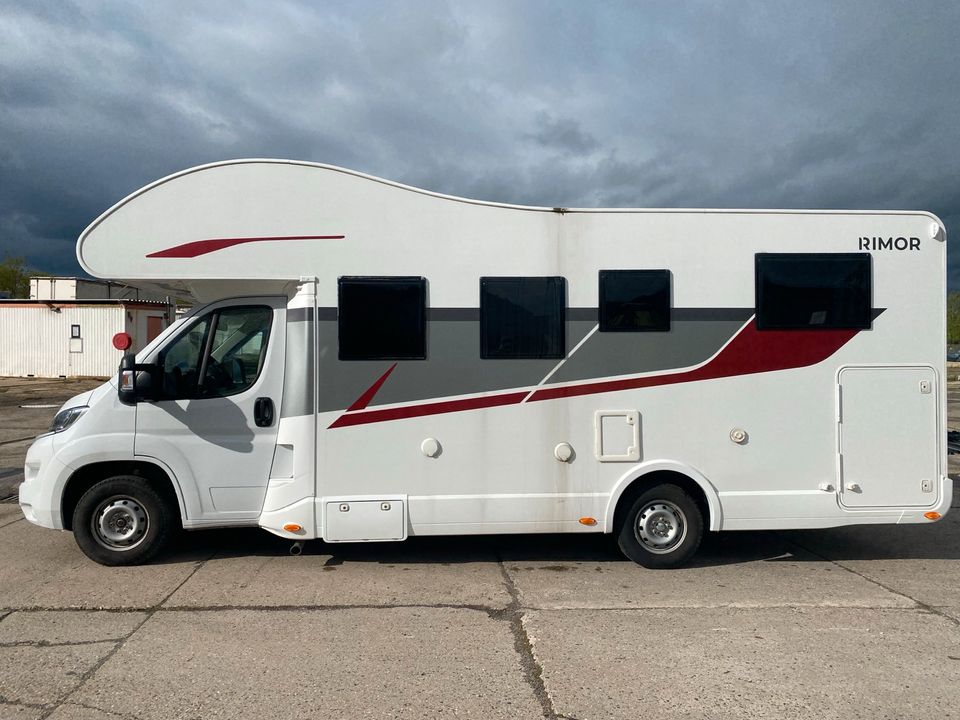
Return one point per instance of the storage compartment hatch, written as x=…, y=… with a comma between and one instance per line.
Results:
x=364, y=519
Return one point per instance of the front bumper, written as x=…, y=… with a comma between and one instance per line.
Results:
x=42, y=474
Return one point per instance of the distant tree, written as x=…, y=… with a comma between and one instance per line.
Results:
x=15, y=277
x=953, y=318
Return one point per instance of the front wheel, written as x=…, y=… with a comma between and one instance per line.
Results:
x=122, y=521
x=662, y=528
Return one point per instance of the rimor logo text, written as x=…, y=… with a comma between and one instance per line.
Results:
x=889, y=243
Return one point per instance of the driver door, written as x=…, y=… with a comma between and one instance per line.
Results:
x=215, y=422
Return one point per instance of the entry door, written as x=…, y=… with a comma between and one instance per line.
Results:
x=222, y=376
x=154, y=327
x=889, y=446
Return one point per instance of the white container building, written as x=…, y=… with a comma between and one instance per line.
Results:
x=66, y=328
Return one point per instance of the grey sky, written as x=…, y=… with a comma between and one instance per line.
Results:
x=693, y=104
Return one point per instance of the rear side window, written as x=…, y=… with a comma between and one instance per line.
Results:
x=522, y=317
x=634, y=300
x=813, y=291
x=382, y=318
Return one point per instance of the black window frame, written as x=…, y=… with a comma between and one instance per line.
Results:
x=561, y=282
x=602, y=318
x=863, y=321
x=212, y=318
x=419, y=281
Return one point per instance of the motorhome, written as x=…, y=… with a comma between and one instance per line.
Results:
x=368, y=361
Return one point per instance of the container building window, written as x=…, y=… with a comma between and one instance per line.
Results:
x=634, y=300
x=813, y=291
x=382, y=318
x=522, y=317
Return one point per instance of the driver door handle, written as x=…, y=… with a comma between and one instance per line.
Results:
x=263, y=412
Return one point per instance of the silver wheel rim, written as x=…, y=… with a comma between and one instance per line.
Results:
x=660, y=527
x=120, y=523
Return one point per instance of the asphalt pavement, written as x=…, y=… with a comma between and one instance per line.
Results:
x=844, y=623
x=27, y=405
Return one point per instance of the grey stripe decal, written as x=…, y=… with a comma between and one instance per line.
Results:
x=453, y=314
x=688, y=343
x=582, y=314
x=738, y=314
x=742, y=314
x=299, y=314
x=454, y=367
x=586, y=314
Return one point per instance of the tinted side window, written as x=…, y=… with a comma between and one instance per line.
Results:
x=382, y=318
x=811, y=290
x=237, y=350
x=219, y=354
x=181, y=361
x=522, y=317
x=634, y=300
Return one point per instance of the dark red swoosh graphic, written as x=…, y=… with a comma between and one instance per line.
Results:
x=203, y=247
x=749, y=352
x=361, y=402
x=435, y=408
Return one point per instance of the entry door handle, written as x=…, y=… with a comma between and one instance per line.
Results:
x=263, y=412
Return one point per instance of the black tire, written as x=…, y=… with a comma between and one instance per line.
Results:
x=662, y=528
x=122, y=520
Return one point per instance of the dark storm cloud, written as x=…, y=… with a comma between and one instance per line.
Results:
x=563, y=134
x=697, y=104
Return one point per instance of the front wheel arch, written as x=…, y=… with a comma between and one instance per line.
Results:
x=89, y=475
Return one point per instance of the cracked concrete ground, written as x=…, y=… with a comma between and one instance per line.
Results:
x=227, y=624
x=844, y=623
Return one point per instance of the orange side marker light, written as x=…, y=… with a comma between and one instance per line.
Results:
x=292, y=527
x=932, y=515
x=588, y=521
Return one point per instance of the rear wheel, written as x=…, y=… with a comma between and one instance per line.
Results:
x=662, y=528
x=122, y=521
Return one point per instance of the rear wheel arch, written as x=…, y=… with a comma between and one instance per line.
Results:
x=89, y=475
x=639, y=479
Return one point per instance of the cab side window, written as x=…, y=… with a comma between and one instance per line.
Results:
x=181, y=361
x=220, y=354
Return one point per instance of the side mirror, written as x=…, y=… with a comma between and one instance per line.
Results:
x=137, y=383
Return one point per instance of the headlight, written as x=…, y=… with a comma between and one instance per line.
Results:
x=65, y=418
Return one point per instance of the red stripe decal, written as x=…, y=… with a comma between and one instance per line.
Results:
x=202, y=247
x=748, y=353
x=361, y=402
x=437, y=408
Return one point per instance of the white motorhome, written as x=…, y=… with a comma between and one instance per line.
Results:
x=369, y=361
